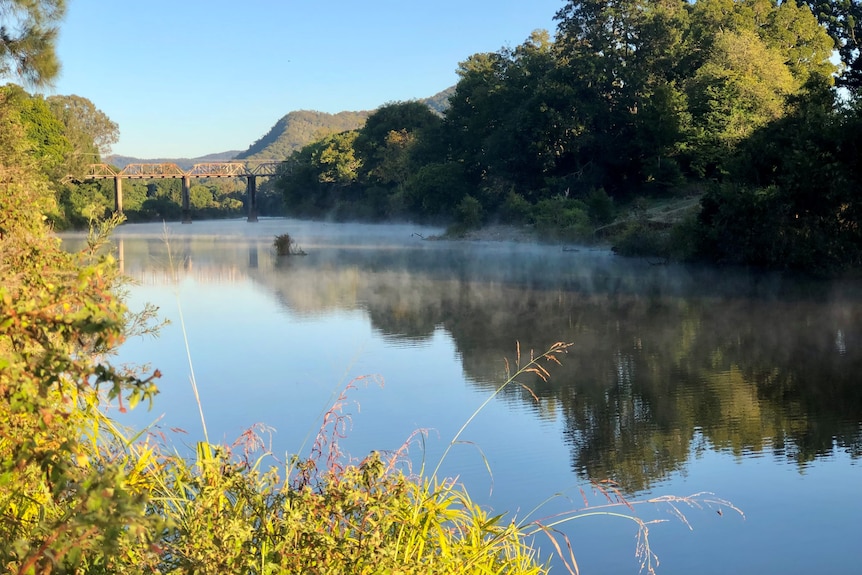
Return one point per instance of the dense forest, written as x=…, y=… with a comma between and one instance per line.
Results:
x=752, y=106
x=742, y=117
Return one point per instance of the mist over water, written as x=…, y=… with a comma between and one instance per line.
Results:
x=680, y=379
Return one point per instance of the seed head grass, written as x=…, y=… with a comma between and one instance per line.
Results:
x=239, y=509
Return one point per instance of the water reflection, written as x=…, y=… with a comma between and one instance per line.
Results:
x=667, y=361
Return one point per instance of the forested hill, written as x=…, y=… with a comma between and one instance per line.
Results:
x=298, y=129
x=439, y=102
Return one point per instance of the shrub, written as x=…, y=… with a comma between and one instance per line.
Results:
x=468, y=216
x=515, y=209
x=639, y=239
x=72, y=499
x=563, y=218
x=600, y=207
x=286, y=246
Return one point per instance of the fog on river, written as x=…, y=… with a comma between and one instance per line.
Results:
x=679, y=379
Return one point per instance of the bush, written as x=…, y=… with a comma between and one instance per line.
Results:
x=515, y=209
x=468, y=213
x=286, y=246
x=562, y=218
x=638, y=239
x=600, y=207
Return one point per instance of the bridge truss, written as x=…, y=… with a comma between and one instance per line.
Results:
x=171, y=170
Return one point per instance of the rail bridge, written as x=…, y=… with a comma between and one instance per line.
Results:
x=251, y=171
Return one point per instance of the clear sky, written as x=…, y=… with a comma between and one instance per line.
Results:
x=185, y=78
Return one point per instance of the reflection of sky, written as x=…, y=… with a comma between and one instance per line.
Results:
x=259, y=360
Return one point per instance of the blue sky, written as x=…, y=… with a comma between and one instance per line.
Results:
x=192, y=77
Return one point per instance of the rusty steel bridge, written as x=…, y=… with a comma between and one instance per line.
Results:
x=251, y=171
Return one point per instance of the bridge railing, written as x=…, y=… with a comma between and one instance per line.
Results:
x=171, y=170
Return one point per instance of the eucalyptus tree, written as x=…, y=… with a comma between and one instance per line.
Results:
x=44, y=133
x=28, y=33
x=90, y=131
x=623, y=61
x=503, y=123
x=748, y=56
x=843, y=20
x=384, y=143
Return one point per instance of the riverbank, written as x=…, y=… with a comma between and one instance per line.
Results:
x=660, y=214
x=494, y=233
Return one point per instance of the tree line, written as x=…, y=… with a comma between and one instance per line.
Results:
x=738, y=101
x=65, y=134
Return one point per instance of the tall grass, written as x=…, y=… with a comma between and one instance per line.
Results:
x=238, y=509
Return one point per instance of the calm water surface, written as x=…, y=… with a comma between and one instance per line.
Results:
x=679, y=380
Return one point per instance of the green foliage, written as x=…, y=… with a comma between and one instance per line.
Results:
x=89, y=131
x=563, y=218
x=387, y=146
x=70, y=499
x=515, y=209
x=600, y=207
x=84, y=203
x=843, y=20
x=744, y=225
x=435, y=189
x=29, y=32
x=796, y=201
x=44, y=132
x=468, y=216
x=230, y=516
x=630, y=99
x=740, y=87
x=320, y=176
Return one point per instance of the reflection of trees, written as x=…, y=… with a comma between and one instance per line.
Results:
x=663, y=363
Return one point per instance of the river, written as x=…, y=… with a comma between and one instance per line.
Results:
x=679, y=379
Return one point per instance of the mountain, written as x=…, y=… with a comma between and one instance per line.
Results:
x=439, y=102
x=184, y=163
x=291, y=132
x=298, y=129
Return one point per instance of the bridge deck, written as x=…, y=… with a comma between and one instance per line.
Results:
x=171, y=170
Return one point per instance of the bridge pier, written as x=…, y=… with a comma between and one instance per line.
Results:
x=118, y=195
x=187, y=211
x=251, y=188
x=152, y=171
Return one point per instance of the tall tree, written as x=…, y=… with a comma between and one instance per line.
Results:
x=89, y=130
x=384, y=142
x=747, y=56
x=843, y=20
x=28, y=32
x=623, y=59
x=741, y=86
x=48, y=143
